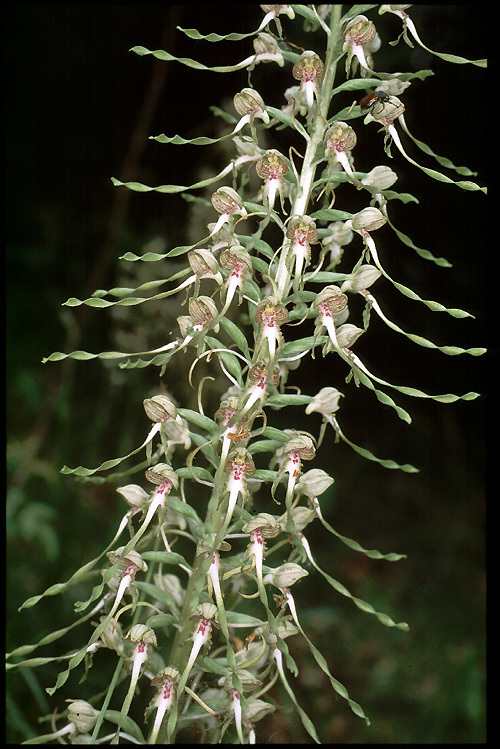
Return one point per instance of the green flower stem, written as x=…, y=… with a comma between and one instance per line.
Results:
x=308, y=172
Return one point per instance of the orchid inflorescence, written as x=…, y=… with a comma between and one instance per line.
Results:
x=206, y=637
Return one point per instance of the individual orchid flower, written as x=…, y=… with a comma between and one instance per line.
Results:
x=257, y=392
x=224, y=415
x=266, y=50
x=248, y=682
x=296, y=450
x=359, y=33
x=408, y=25
x=331, y=305
x=161, y=410
x=237, y=260
x=144, y=638
x=204, y=265
x=249, y=104
x=309, y=70
x=82, y=718
x=339, y=139
x=127, y=567
x=272, y=168
x=364, y=223
x=167, y=680
x=273, y=11
x=202, y=314
x=228, y=203
x=239, y=465
x=206, y=616
x=302, y=234
x=271, y=315
x=260, y=528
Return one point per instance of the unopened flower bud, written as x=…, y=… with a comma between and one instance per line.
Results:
x=286, y=575
x=325, y=402
x=133, y=494
x=162, y=472
x=83, y=715
x=340, y=137
x=381, y=177
x=202, y=310
x=141, y=633
x=250, y=102
x=314, y=482
x=369, y=219
x=348, y=334
x=257, y=709
x=159, y=408
x=362, y=278
x=301, y=516
x=266, y=523
x=226, y=200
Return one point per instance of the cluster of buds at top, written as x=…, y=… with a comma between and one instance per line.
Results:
x=309, y=70
x=360, y=39
x=272, y=168
x=270, y=314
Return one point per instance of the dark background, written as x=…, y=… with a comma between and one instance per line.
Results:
x=80, y=108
